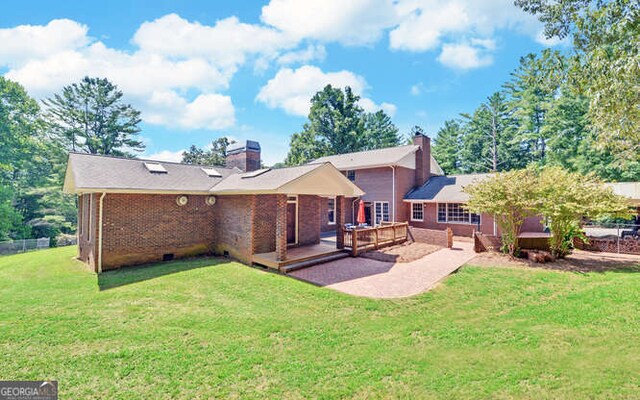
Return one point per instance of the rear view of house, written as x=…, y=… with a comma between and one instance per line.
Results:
x=136, y=211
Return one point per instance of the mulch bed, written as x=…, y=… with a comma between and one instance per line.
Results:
x=578, y=261
x=402, y=253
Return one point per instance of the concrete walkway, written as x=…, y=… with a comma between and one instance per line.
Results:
x=370, y=278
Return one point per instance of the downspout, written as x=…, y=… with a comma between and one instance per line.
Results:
x=353, y=210
x=100, y=234
x=393, y=190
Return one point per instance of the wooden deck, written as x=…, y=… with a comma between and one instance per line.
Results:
x=297, y=255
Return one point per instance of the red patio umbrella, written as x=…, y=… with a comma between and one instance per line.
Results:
x=361, y=219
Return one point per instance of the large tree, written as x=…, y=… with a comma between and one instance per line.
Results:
x=446, y=147
x=532, y=89
x=92, y=117
x=489, y=143
x=605, y=40
x=337, y=125
x=510, y=197
x=215, y=155
x=564, y=198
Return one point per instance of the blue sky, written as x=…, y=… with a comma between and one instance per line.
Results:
x=200, y=69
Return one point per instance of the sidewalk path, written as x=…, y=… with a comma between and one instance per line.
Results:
x=370, y=278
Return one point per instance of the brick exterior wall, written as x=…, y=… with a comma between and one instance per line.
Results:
x=438, y=237
x=264, y=227
x=349, y=215
x=233, y=225
x=142, y=228
x=309, y=219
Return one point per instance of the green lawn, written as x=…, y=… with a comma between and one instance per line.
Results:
x=212, y=328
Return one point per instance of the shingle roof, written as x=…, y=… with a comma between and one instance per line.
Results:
x=445, y=189
x=269, y=180
x=91, y=173
x=375, y=158
x=102, y=172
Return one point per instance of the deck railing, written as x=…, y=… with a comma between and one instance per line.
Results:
x=362, y=239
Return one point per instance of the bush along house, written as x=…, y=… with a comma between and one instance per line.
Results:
x=133, y=211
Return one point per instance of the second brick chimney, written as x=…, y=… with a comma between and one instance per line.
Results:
x=423, y=158
x=244, y=155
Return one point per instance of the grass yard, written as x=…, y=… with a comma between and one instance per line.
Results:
x=210, y=328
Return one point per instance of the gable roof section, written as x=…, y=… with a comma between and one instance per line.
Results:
x=445, y=189
x=91, y=173
x=396, y=156
x=315, y=179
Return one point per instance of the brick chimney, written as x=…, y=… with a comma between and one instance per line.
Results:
x=423, y=158
x=244, y=155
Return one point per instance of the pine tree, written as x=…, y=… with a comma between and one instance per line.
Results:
x=91, y=117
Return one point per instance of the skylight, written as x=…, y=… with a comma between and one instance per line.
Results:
x=255, y=173
x=212, y=172
x=155, y=168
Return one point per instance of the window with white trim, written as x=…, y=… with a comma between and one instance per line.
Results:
x=351, y=175
x=381, y=212
x=332, y=210
x=417, y=211
x=455, y=213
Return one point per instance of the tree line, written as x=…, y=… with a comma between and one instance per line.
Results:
x=89, y=117
x=578, y=110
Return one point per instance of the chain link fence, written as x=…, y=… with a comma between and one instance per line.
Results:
x=20, y=246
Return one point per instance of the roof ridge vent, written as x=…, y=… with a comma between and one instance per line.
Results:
x=155, y=167
x=211, y=172
x=255, y=173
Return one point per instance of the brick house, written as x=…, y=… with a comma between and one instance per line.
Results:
x=133, y=211
x=385, y=175
x=406, y=184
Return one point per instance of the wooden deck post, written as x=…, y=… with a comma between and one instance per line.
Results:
x=375, y=240
x=281, y=227
x=354, y=238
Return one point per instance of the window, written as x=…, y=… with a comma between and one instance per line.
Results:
x=332, y=211
x=455, y=213
x=382, y=211
x=351, y=175
x=417, y=212
x=442, y=212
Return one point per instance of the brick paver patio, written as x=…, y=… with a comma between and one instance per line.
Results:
x=370, y=278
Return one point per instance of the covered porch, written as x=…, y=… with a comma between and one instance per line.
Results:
x=290, y=237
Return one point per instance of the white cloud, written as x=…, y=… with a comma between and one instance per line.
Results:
x=353, y=22
x=28, y=41
x=311, y=53
x=291, y=90
x=466, y=55
x=369, y=106
x=227, y=43
x=176, y=62
x=206, y=111
x=424, y=23
x=166, y=155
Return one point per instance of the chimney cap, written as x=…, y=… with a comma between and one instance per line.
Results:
x=243, y=145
